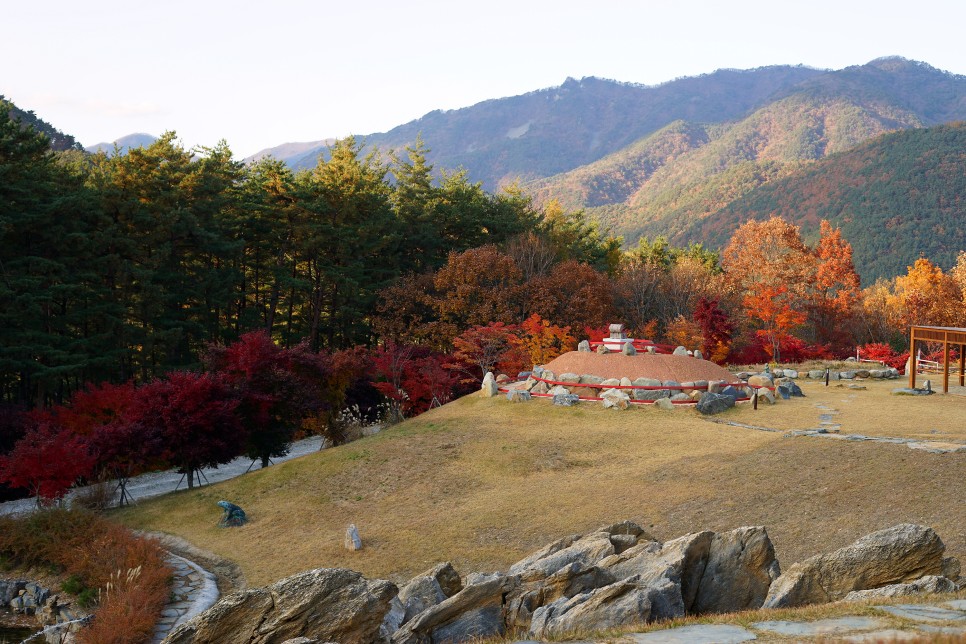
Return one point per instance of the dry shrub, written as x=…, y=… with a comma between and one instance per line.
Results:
x=96, y=497
x=129, y=572
x=130, y=606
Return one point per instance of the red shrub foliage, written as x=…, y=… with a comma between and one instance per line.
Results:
x=885, y=354
x=47, y=460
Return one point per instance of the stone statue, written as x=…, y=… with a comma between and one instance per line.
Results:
x=234, y=515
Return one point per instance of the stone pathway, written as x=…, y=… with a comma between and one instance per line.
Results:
x=193, y=589
x=828, y=428
x=897, y=623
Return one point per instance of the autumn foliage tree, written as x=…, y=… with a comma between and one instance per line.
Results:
x=771, y=307
x=835, y=288
x=276, y=388
x=48, y=460
x=716, y=329
x=193, y=417
x=540, y=341
x=481, y=348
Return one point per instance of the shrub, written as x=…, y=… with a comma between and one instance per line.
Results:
x=107, y=564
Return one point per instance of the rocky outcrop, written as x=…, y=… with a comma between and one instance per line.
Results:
x=328, y=604
x=899, y=554
x=586, y=551
x=475, y=612
x=623, y=602
x=429, y=589
x=741, y=566
x=615, y=576
x=926, y=585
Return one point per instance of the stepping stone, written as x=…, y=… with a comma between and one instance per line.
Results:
x=890, y=635
x=821, y=626
x=947, y=630
x=924, y=613
x=697, y=634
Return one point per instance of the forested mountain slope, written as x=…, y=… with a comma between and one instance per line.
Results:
x=553, y=130
x=896, y=198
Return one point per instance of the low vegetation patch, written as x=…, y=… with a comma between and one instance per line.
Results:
x=104, y=565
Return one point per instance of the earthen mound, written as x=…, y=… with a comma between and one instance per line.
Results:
x=658, y=366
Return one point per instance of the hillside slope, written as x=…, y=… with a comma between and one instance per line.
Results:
x=824, y=114
x=483, y=482
x=897, y=197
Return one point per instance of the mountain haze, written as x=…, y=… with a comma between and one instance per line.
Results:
x=554, y=130
x=125, y=143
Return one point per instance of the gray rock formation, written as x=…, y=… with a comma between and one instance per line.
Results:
x=895, y=555
x=711, y=403
x=428, y=589
x=624, y=602
x=927, y=584
x=475, y=612
x=741, y=566
x=328, y=604
x=587, y=551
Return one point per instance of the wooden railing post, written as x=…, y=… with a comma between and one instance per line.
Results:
x=912, y=357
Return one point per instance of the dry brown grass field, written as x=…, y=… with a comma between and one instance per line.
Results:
x=482, y=482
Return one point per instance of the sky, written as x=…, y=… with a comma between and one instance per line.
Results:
x=259, y=74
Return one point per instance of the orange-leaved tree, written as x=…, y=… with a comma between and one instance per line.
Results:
x=926, y=295
x=835, y=289
x=771, y=306
x=541, y=342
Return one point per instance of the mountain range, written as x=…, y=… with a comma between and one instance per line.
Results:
x=123, y=144
x=690, y=159
x=693, y=158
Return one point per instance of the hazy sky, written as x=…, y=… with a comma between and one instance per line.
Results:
x=263, y=73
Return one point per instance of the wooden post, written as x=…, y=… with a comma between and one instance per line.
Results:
x=912, y=357
x=946, y=365
x=962, y=365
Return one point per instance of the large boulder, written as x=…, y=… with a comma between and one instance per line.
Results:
x=621, y=603
x=895, y=555
x=680, y=562
x=586, y=550
x=533, y=592
x=711, y=403
x=328, y=604
x=428, y=589
x=741, y=566
x=475, y=612
x=930, y=584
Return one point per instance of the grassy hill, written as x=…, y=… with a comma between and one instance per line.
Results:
x=482, y=482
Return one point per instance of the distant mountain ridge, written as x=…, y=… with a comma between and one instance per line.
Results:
x=125, y=143
x=554, y=130
x=291, y=153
